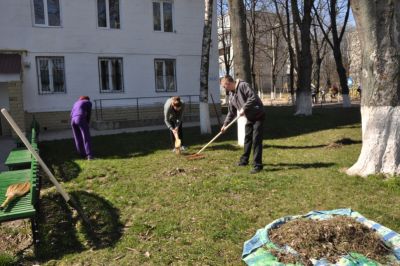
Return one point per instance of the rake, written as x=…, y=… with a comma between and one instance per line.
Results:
x=197, y=155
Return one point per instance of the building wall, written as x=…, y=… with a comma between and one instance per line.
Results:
x=81, y=43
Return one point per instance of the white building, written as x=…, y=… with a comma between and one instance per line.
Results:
x=116, y=51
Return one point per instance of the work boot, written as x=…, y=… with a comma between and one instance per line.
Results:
x=240, y=163
x=256, y=169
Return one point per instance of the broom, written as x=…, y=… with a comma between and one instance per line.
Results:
x=14, y=191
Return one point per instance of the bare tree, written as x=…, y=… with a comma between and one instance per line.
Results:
x=237, y=14
x=303, y=50
x=320, y=51
x=378, y=26
x=205, y=125
x=273, y=48
x=335, y=9
x=224, y=36
x=284, y=7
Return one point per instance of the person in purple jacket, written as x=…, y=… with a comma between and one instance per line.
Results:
x=80, y=118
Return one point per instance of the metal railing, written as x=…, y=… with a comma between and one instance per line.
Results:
x=138, y=106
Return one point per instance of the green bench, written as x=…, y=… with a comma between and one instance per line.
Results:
x=20, y=158
x=24, y=207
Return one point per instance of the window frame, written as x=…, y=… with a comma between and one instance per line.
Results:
x=51, y=78
x=108, y=59
x=163, y=60
x=107, y=3
x=46, y=15
x=162, y=15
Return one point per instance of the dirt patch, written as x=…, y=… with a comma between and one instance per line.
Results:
x=328, y=239
x=16, y=236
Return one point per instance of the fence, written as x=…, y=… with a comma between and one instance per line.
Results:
x=139, y=108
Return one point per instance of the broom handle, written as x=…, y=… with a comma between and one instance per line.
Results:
x=35, y=154
x=211, y=141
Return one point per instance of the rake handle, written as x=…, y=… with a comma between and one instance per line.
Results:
x=211, y=141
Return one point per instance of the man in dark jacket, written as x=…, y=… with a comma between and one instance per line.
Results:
x=242, y=98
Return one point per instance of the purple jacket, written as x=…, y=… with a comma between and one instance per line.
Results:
x=82, y=108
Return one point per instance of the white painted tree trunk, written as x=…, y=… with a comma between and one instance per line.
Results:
x=346, y=100
x=380, y=151
x=378, y=25
x=241, y=131
x=303, y=104
x=205, y=124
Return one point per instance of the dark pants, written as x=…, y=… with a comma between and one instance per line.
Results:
x=180, y=134
x=80, y=129
x=253, y=137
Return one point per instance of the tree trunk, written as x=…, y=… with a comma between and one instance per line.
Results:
x=237, y=14
x=287, y=35
x=303, y=99
x=342, y=77
x=205, y=125
x=378, y=25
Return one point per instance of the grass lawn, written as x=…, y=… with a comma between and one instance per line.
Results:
x=152, y=207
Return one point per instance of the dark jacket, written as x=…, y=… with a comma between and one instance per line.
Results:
x=246, y=98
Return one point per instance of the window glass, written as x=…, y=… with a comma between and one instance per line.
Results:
x=156, y=16
x=44, y=75
x=159, y=65
x=58, y=74
x=51, y=74
x=116, y=75
x=53, y=10
x=114, y=14
x=101, y=13
x=104, y=75
x=39, y=11
x=167, y=8
x=170, y=75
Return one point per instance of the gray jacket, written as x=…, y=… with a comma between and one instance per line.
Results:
x=244, y=97
x=170, y=115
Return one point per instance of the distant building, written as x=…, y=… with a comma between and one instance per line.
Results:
x=128, y=56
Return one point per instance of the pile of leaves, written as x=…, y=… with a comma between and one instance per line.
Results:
x=328, y=239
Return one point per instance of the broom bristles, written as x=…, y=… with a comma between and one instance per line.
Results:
x=15, y=190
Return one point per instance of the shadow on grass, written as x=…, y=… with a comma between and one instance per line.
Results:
x=340, y=142
x=61, y=231
x=57, y=235
x=289, y=166
x=105, y=228
x=279, y=123
x=228, y=147
x=347, y=141
x=293, y=147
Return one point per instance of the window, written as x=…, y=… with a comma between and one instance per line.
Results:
x=162, y=16
x=111, y=78
x=165, y=75
x=47, y=12
x=51, y=74
x=108, y=14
